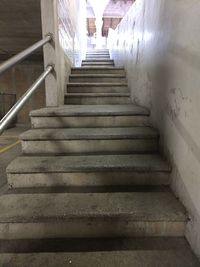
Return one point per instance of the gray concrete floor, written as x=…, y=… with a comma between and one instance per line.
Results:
x=7, y=153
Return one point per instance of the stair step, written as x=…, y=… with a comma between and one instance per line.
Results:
x=88, y=170
x=90, y=133
x=98, y=51
x=90, y=56
x=97, y=88
x=97, y=64
x=92, y=140
x=98, y=70
x=97, y=56
x=90, y=116
x=98, y=78
x=82, y=215
x=98, y=60
x=137, y=258
x=97, y=98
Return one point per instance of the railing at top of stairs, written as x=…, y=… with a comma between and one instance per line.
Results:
x=7, y=119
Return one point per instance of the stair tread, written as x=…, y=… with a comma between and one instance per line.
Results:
x=90, y=133
x=137, y=258
x=97, y=63
x=97, y=94
x=98, y=75
x=91, y=110
x=96, y=84
x=98, y=68
x=98, y=60
x=148, y=206
x=89, y=163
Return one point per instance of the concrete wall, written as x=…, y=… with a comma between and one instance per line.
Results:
x=72, y=29
x=20, y=26
x=159, y=44
x=17, y=80
x=72, y=36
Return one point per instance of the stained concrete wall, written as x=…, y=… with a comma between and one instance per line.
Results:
x=159, y=44
x=17, y=80
x=20, y=26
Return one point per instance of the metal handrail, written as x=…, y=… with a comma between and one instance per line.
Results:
x=24, y=54
x=21, y=102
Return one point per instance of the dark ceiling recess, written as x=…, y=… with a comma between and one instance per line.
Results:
x=113, y=14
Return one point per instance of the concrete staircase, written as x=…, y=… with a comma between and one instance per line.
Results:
x=91, y=188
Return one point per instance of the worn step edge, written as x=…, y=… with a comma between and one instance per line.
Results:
x=91, y=110
x=101, y=63
x=99, y=68
x=73, y=84
x=97, y=60
x=135, y=206
x=90, y=134
x=56, y=215
x=97, y=75
x=96, y=95
x=88, y=180
x=89, y=163
x=150, y=258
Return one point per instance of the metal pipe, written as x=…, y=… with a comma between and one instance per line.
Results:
x=24, y=54
x=22, y=101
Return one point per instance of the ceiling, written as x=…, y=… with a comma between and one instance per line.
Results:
x=20, y=25
x=113, y=14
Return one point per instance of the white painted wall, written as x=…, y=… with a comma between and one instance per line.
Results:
x=66, y=20
x=72, y=29
x=158, y=42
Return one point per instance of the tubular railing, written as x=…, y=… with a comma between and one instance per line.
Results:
x=6, y=120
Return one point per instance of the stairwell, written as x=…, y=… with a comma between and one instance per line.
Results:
x=91, y=188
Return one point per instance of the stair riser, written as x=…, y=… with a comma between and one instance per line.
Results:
x=99, y=53
x=98, y=79
x=96, y=100
x=89, y=146
x=89, y=61
x=129, y=258
x=81, y=179
x=90, y=228
x=99, y=64
x=97, y=89
x=98, y=56
x=89, y=121
x=98, y=71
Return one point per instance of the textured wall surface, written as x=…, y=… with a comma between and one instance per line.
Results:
x=159, y=44
x=17, y=80
x=72, y=36
x=72, y=29
x=20, y=26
